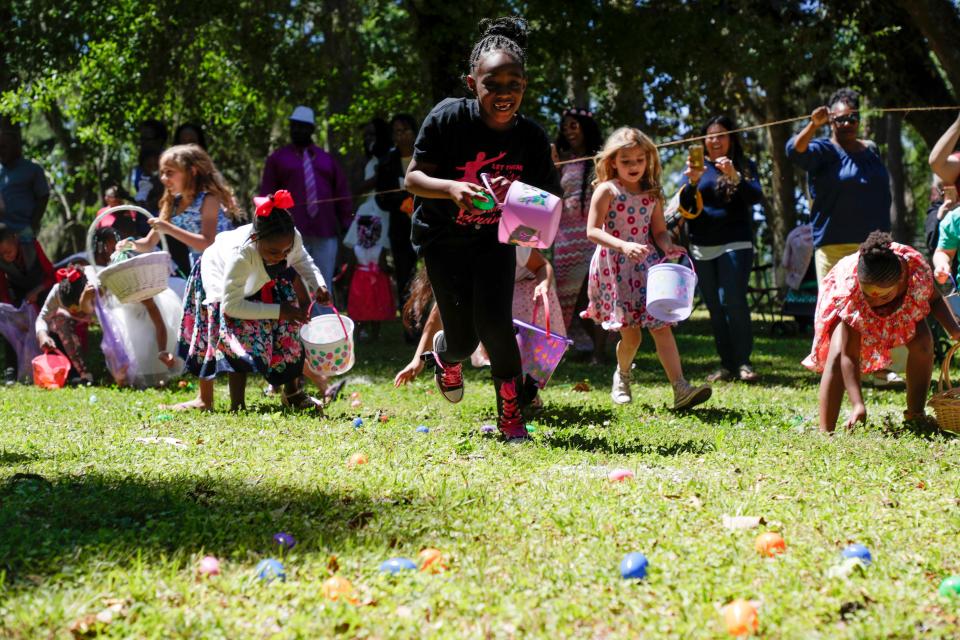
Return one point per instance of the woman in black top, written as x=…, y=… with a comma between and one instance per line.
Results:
x=455, y=225
x=721, y=243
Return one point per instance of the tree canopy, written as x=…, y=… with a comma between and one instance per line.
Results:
x=81, y=75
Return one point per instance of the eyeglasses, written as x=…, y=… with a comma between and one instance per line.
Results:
x=844, y=120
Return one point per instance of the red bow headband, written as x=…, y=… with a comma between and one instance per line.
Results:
x=71, y=274
x=265, y=205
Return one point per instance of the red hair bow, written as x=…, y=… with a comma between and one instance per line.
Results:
x=265, y=205
x=71, y=274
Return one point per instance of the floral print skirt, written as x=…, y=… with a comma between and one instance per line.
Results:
x=212, y=343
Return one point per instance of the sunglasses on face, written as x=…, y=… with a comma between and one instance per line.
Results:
x=844, y=120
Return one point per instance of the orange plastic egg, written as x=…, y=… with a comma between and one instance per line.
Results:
x=432, y=561
x=741, y=618
x=769, y=544
x=337, y=589
x=357, y=459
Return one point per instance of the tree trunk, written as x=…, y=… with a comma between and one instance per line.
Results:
x=782, y=216
x=939, y=22
x=901, y=222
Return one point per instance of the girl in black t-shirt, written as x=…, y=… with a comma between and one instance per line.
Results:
x=455, y=225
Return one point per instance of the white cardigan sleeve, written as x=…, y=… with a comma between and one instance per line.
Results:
x=234, y=304
x=303, y=264
x=50, y=306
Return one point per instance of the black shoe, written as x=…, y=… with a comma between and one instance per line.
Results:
x=9, y=376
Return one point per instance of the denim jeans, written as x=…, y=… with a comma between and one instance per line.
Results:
x=723, y=284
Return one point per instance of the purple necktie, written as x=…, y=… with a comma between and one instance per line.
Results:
x=310, y=181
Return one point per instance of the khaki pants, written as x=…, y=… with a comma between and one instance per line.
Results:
x=829, y=255
x=826, y=258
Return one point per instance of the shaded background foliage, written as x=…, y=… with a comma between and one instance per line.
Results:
x=81, y=74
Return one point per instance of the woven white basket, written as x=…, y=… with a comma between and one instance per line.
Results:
x=138, y=278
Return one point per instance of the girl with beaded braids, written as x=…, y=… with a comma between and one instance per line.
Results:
x=870, y=302
x=454, y=224
x=244, y=303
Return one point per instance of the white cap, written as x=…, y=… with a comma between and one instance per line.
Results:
x=303, y=114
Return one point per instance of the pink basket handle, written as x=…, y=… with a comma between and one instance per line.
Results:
x=546, y=310
x=342, y=326
x=486, y=182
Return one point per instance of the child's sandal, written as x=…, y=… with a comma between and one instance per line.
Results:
x=301, y=400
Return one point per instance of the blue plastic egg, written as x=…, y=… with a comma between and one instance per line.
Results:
x=423, y=429
x=858, y=552
x=270, y=569
x=284, y=540
x=396, y=565
x=358, y=422
x=633, y=566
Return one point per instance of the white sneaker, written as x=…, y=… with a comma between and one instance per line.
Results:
x=621, y=387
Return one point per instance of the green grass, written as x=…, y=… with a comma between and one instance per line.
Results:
x=534, y=533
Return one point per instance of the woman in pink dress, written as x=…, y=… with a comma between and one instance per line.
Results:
x=870, y=302
x=579, y=138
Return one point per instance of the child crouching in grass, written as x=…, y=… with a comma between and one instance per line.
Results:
x=242, y=312
x=870, y=302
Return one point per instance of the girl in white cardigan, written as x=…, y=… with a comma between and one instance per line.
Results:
x=244, y=303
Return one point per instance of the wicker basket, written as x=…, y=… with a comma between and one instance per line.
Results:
x=138, y=278
x=946, y=401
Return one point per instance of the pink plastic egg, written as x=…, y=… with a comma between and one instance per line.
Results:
x=619, y=475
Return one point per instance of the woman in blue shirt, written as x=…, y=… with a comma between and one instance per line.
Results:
x=721, y=243
x=848, y=181
x=850, y=188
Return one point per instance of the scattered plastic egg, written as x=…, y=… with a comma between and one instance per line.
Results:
x=423, y=429
x=284, y=540
x=384, y=417
x=740, y=618
x=531, y=428
x=769, y=544
x=396, y=565
x=357, y=459
x=432, y=561
x=209, y=566
x=270, y=569
x=355, y=395
x=858, y=552
x=633, y=566
x=338, y=589
x=950, y=587
x=357, y=422
x=619, y=475
x=488, y=428
x=92, y=399
x=355, y=403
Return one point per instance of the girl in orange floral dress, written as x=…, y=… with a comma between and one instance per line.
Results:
x=870, y=302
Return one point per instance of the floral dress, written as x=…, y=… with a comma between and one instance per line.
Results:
x=841, y=300
x=616, y=286
x=212, y=343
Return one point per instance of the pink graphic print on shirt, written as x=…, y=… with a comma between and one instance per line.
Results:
x=471, y=173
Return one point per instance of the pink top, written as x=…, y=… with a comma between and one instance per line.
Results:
x=842, y=300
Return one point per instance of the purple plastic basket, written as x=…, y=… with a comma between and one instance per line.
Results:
x=540, y=350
